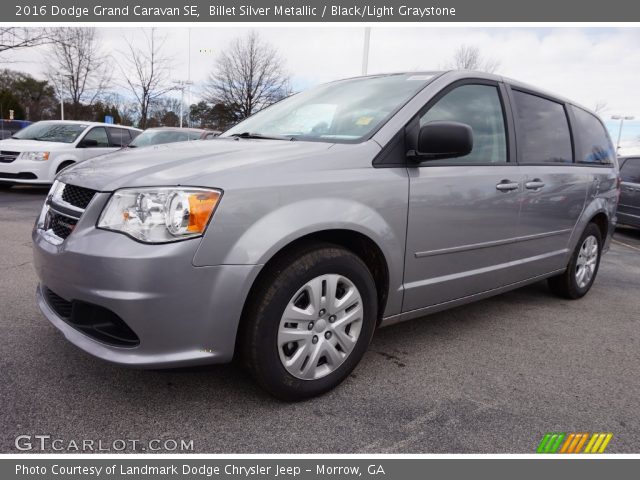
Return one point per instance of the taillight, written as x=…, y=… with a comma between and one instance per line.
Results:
x=618, y=187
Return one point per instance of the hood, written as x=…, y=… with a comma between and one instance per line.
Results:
x=17, y=145
x=197, y=163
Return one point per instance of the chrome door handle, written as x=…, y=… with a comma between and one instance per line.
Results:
x=534, y=184
x=507, y=186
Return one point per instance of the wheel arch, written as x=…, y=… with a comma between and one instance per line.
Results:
x=64, y=164
x=598, y=211
x=601, y=220
x=356, y=242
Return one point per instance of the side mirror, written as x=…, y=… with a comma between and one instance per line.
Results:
x=438, y=140
x=88, y=143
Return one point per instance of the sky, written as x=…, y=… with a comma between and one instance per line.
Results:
x=587, y=65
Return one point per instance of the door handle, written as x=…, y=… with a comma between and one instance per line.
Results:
x=534, y=184
x=507, y=186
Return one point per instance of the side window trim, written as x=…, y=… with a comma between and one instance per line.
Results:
x=411, y=129
x=569, y=118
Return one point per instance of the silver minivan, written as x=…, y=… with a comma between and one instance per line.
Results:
x=294, y=235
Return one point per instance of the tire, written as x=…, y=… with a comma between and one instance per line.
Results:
x=308, y=366
x=570, y=284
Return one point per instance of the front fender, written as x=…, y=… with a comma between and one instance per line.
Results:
x=282, y=226
x=252, y=228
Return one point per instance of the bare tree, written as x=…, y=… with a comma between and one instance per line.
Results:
x=12, y=38
x=468, y=57
x=76, y=66
x=601, y=106
x=248, y=76
x=146, y=70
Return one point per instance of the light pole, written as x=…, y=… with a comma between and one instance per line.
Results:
x=365, y=50
x=189, y=82
x=181, y=85
x=622, y=118
x=61, y=91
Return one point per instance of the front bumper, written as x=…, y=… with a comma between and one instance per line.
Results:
x=26, y=172
x=182, y=314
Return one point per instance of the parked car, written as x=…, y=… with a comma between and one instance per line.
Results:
x=37, y=153
x=354, y=205
x=629, y=204
x=11, y=127
x=160, y=135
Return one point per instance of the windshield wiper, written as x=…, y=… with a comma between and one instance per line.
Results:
x=260, y=136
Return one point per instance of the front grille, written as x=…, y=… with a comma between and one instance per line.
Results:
x=94, y=321
x=64, y=210
x=61, y=225
x=79, y=197
x=61, y=306
x=8, y=157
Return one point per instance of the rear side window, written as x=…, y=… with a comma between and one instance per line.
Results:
x=478, y=106
x=543, y=130
x=593, y=142
x=630, y=171
x=119, y=137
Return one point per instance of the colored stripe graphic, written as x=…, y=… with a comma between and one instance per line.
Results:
x=574, y=442
x=550, y=442
x=598, y=443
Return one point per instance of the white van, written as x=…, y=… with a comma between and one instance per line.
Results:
x=35, y=154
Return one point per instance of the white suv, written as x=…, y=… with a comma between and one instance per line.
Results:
x=35, y=154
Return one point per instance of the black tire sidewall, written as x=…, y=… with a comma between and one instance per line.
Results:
x=267, y=364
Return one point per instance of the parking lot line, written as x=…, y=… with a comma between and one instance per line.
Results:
x=626, y=245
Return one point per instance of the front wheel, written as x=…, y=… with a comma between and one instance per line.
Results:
x=310, y=322
x=576, y=281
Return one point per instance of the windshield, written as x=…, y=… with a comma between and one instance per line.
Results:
x=156, y=137
x=51, y=132
x=347, y=110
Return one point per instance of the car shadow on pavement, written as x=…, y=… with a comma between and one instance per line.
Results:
x=27, y=189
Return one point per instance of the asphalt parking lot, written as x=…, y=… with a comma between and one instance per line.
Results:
x=491, y=377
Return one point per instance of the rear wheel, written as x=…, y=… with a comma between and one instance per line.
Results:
x=576, y=281
x=310, y=323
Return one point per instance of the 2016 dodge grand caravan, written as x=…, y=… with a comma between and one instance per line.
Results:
x=356, y=204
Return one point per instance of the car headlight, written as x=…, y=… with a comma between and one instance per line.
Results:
x=162, y=214
x=54, y=192
x=38, y=156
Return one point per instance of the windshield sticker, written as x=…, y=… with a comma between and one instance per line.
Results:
x=364, y=120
